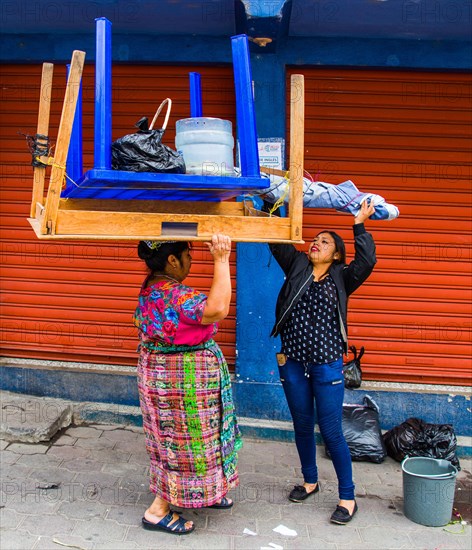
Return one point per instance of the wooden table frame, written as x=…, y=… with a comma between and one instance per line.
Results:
x=76, y=219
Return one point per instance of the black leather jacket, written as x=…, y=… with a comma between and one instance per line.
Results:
x=299, y=275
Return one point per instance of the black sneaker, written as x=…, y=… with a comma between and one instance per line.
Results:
x=299, y=493
x=341, y=515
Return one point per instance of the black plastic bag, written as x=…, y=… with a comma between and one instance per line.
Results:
x=414, y=437
x=352, y=369
x=144, y=150
x=361, y=428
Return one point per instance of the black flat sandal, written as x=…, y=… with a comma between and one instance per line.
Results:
x=341, y=515
x=299, y=493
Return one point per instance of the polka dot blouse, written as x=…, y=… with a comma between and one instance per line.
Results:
x=312, y=333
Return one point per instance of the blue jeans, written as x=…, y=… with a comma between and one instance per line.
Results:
x=324, y=386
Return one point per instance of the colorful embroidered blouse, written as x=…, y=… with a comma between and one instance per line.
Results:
x=170, y=314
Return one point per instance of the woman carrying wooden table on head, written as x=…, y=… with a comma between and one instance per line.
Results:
x=184, y=387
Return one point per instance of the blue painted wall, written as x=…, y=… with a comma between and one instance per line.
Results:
x=257, y=388
x=254, y=399
x=326, y=51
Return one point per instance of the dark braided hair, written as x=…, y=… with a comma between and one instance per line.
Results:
x=156, y=258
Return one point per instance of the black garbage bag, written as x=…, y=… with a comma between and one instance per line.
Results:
x=352, y=369
x=361, y=428
x=414, y=437
x=144, y=150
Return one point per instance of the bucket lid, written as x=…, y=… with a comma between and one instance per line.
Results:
x=203, y=123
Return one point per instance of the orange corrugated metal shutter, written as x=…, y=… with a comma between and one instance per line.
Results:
x=407, y=136
x=73, y=301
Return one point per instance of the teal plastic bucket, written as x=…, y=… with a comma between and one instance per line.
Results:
x=428, y=490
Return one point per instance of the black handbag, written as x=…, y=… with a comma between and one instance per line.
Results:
x=144, y=150
x=352, y=369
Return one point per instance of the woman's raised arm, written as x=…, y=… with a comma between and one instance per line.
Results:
x=219, y=297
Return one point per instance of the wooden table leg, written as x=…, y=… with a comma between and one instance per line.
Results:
x=297, y=131
x=39, y=172
x=62, y=144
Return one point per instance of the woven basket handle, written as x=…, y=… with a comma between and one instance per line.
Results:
x=159, y=109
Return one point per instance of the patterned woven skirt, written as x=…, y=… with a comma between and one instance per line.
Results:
x=189, y=424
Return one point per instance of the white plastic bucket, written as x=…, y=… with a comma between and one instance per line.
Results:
x=206, y=145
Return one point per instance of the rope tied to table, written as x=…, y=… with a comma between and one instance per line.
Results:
x=38, y=146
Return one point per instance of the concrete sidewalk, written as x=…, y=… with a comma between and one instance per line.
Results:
x=87, y=488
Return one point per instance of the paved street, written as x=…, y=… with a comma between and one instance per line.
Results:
x=87, y=488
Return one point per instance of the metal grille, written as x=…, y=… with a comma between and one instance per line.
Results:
x=406, y=136
x=73, y=301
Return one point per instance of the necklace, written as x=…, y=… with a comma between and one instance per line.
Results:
x=167, y=277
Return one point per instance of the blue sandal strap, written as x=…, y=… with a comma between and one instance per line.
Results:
x=164, y=522
x=169, y=524
x=224, y=503
x=178, y=525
